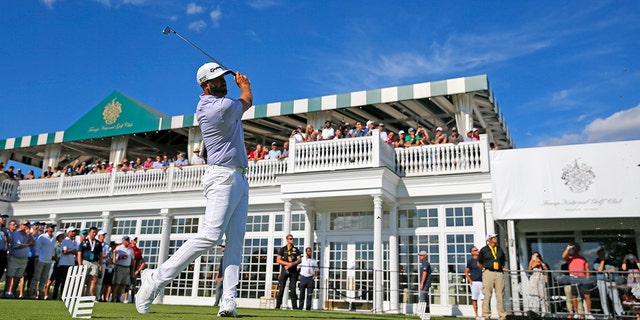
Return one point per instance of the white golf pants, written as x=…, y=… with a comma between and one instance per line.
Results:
x=227, y=193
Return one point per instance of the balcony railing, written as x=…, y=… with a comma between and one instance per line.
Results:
x=8, y=190
x=354, y=153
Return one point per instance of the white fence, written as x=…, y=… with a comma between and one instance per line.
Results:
x=353, y=153
x=8, y=190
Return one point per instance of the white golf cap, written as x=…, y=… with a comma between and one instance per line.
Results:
x=210, y=70
x=70, y=229
x=102, y=232
x=491, y=235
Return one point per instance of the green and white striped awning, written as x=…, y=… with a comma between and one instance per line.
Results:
x=330, y=102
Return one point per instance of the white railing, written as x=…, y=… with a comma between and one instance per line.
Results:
x=443, y=159
x=8, y=190
x=352, y=153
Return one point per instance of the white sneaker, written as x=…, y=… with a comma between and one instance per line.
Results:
x=148, y=292
x=589, y=316
x=228, y=307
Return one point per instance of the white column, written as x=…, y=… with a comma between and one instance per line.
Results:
x=51, y=155
x=163, y=255
x=286, y=219
x=118, y=149
x=488, y=215
x=106, y=225
x=309, y=219
x=53, y=217
x=195, y=140
x=513, y=262
x=464, y=112
x=5, y=156
x=394, y=272
x=377, y=254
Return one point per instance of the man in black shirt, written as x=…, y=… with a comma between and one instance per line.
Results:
x=492, y=260
x=288, y=258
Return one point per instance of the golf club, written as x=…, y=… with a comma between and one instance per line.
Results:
x=168, y=30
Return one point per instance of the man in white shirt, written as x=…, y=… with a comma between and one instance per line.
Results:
x=196, y=159
x=274, y=153
x=67, y=259
x=44, y=251
x=122, y=258
x=328, y=132
x=308, y=273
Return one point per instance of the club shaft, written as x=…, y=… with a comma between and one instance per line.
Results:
x=206, y=54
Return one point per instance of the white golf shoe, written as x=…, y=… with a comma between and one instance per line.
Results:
x=228, y=307
x=148, y=292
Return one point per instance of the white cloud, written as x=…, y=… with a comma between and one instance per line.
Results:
x=49, y=3
x=620, y=126
x=559, y=96
x=215, y=15
x=197, y=25
x=262, y=4
x=193, y=8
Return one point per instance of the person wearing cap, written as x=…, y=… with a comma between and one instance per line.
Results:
x=103, y=256
x=81, y=236
x=219, y=279
x=328, y=133
x=90, y=255
x=68, y=258
x=492, y=260
x=411, y=139
x=578, y=268
x=5, y=240
x=123, y=260
x=298, y=135
x=225, y=187
x=196, y=159
x=476, y=134
x=19, y=175
x=440, y=137
x=274, y=153
x=455, y=137
x=605, y=268
x=44, y=253
x=473, y=273
x=425, y=283
x=34, y=232
x=57, y=254
x=383, y=133
x=368, y=130
x=21, y=242
x=139, y=264
x=402, y=136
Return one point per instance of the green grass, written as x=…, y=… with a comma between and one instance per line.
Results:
x=18, y=309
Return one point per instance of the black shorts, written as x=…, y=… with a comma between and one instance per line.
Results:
x=581, y=289
x=108, y=278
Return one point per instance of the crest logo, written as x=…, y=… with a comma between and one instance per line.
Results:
x=112, y=111
x=578, y=176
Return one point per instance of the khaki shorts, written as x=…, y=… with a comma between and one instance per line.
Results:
x=92, y=267
x=16, y=266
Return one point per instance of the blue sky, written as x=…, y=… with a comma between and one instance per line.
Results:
x=563, y=72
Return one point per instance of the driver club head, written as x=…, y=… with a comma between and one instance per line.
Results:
x=167, y=30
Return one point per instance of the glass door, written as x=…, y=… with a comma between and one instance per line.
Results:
x=350, y=275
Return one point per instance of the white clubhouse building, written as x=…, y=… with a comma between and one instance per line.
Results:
x=365, y=207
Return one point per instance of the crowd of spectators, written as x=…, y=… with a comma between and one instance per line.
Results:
x=38, y=257
x=412, y=137
x=402, y=139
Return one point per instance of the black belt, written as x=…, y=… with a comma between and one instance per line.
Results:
x=117, y=265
